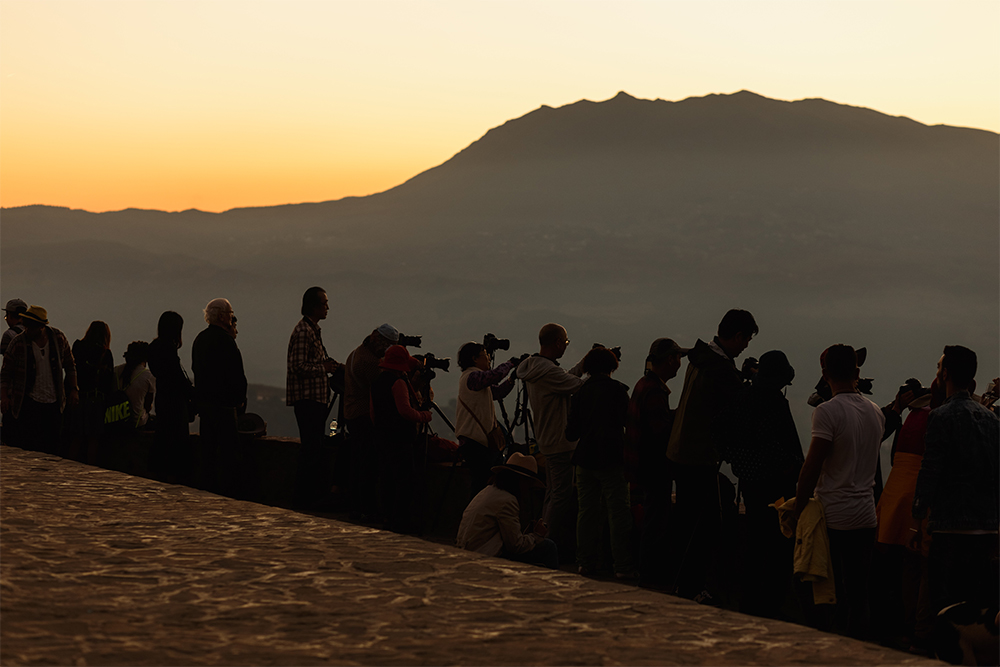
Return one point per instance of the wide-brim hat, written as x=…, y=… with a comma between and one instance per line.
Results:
x=398, y=359
x=36, y=314
x=523, y=465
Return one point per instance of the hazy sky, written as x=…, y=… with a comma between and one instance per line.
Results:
x=216, y=104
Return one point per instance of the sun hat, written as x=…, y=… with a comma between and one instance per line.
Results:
x=16, y=306
x=523, y=465
x=36, y=314
x=398, y=359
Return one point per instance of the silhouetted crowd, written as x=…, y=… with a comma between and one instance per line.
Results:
x=624, y=484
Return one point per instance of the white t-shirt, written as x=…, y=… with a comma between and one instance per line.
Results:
x=142, y=384
x=854, y=425
x=43, y=391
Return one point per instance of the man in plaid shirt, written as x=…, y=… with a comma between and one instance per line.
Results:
x=307, y=388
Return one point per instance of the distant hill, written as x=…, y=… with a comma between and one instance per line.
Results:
x=624, y=220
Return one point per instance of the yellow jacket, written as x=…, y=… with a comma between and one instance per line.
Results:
x=812, y=548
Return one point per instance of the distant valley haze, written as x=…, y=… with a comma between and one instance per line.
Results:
x=623, y=220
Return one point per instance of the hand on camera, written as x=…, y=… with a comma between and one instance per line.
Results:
x=517, y=360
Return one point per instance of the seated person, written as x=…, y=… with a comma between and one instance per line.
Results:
x=137, y=381
x=491, y=525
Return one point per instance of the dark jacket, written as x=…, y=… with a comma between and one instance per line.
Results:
x=597, y=416
x=958, y=476
x=219, y=380
x=647, y=429
x=710, y=383
x=758, y=436
x=173, y=388
x=95, y=369
x=391, y=427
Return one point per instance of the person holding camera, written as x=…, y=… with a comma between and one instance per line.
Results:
x=550, y=389
x=839, y=471
x=307, y=387
x=360, y=371
x=481, y=440
x=397, y=419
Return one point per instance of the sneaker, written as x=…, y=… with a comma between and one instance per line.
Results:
x=627, y=576
x=706, y=599
x=585, y=571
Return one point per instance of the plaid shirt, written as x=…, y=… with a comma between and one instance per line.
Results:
x=14, y=382
x=306, y=379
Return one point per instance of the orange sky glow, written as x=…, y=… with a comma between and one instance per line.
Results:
x=180, y=104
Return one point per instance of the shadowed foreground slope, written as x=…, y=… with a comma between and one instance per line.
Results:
x=103, y=568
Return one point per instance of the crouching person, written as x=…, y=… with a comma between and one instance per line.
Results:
x=491, y=524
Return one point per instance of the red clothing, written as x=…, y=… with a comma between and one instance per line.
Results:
x=911, y=435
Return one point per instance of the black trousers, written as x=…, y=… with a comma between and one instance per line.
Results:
x=699, y=518
x=851, y=553
x=962, y=568
x=309, y=478
x=479, y=460
x=362, y=462
x=37, y=426
x=221, y=460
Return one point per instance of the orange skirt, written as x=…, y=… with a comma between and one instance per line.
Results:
x=895, y=507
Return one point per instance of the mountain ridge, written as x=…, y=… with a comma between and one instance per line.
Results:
x=743, y=97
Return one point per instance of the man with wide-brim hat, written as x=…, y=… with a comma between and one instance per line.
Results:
x=12, y=314
x=491, y=523
x=37, y=381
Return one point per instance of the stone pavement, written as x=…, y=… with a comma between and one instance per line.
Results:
x=101, y=568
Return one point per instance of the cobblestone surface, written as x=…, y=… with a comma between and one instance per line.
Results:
x=100, y=568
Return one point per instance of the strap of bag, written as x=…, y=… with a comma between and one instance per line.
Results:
x=485, y=432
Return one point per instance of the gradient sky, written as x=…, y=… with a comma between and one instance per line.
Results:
x=106, y=105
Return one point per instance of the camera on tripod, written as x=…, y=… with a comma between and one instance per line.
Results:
x=429, y=361
x=409, y=341
x=492, y=343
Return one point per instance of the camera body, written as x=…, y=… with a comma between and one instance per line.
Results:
x=492, y=343
x=430, y=361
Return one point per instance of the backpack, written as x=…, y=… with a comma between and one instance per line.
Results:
x=118, y=411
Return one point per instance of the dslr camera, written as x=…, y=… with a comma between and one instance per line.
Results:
x=492, y=343
x=409, y=341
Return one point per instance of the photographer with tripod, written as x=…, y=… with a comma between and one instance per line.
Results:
x=397, y=420
x=481, y=440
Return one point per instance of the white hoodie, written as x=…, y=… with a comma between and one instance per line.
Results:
x=549, y=391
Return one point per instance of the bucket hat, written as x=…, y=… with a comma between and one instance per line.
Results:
x=398, y=359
